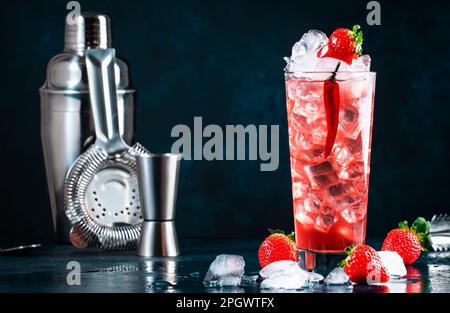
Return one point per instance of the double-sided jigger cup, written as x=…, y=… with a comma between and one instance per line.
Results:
x=158, y=184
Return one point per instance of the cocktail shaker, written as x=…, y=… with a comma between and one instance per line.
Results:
x=67, y=127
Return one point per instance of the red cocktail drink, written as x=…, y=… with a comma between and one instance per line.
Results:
x=330, y=164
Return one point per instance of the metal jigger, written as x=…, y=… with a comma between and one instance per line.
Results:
x=158, y=184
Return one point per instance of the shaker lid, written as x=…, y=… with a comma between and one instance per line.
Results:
x=89, y=30
x=66, y=72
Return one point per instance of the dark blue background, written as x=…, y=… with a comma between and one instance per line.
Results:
x=222, y=60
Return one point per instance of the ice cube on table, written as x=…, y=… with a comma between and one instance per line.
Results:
x=225, y=270
x=251, y=280
x=226, y=281
x=286, y=281
x=279, y=268
x=284, y=274
x=336, y=277
x=314, y=277
x=393, y=262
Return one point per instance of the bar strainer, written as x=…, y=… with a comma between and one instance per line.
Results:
x=101, y=191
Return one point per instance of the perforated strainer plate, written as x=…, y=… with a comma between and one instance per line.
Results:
x=113, y=197
x=102, y=199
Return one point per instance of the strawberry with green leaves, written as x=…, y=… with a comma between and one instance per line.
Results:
x=363, y=265
x=276, y=247
x=344, y=44
x=409, y=242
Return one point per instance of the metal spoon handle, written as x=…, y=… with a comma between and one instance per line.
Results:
x=102, y=92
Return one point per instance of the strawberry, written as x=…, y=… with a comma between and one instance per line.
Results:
x=344, y=44
x=363, y=265
x=276, y=247
x=409, y=242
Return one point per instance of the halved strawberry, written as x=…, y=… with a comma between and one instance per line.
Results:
x=344, y=44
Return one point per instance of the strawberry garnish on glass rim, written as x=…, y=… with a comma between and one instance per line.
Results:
x=344, y=44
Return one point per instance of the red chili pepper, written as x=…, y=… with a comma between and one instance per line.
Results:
x=331, y=100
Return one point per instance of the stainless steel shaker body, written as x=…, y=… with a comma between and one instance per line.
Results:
x=66, y=120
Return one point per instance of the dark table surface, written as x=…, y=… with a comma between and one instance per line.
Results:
x=46, y=270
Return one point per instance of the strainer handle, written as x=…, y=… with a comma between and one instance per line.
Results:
x=103, y=97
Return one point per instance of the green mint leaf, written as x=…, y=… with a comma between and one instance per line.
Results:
x=358, y=39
